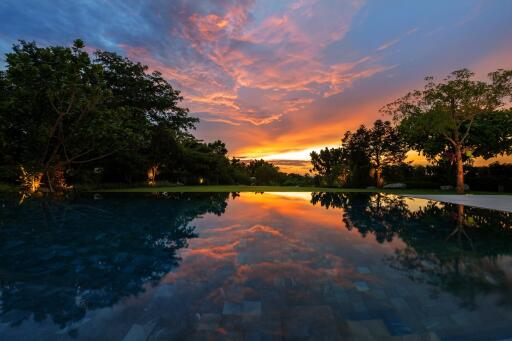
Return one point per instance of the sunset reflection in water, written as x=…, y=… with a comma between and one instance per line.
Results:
x=282, y=266
x=310, y=271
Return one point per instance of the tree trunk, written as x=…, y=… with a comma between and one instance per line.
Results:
x=378, y=177
x=460, y=217
x=49, y=181
x=460, y=170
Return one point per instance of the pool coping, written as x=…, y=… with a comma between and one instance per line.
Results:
x=486, y=201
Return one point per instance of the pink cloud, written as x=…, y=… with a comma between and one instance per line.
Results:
x=279, y=56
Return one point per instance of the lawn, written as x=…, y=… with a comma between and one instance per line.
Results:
x=8, y=188
x=243, y=188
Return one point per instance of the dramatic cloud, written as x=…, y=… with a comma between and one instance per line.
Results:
x=276, y=79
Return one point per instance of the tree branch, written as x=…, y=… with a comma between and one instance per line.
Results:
x=95, y=158
x=466, y=134
x=452, y=141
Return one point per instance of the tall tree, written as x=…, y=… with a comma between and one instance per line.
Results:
x=378, y=146
x=61, y=109
x=264, y=173
x=355, y=146
x=459, y=117
x=49, y=93
x=146, y=95
x=386, y=148
x=330, y=164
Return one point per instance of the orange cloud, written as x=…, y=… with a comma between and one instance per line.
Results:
x=278, y=56
x=265, y=84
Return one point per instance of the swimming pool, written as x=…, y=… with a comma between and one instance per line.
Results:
x=253, y=266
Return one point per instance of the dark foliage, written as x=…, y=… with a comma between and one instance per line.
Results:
x=88, y=253
x=74, y=118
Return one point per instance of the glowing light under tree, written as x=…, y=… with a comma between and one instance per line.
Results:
x=153, y=171
x=31, y=182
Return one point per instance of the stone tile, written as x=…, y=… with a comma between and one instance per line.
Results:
x=393, y=322
x=331, y=272
x=363, y=270
x=363, y=248
x=413, y=302
x=435, y=308
x=340, y=294
x=251, y=308
x=462, y=318
x=436, y=323
x=233, y=293
x=242, y=259
x=378, y=304
x=361, y=286
x=232, y=323
x=279, y=282
x=165, y=291
x=396, y=325
x=367, y=330
x=328, y=290
x=250, y=294
x=379, y=294
x=242, y=243
x=430, y=336
x=232, y=308
x=136, y=333
x=270, y=326
x=209, y=321
x=500, y=331
x=253, y=335
x=359, y=307
x=231, y=335
x=400, y=303
x=290, y=282
x=311, y=323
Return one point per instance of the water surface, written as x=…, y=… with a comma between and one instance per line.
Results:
x=253, y=267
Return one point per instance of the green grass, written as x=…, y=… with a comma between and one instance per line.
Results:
x=8, y=188
x=243, y=188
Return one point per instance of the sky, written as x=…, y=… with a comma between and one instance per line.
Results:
x=276, y=79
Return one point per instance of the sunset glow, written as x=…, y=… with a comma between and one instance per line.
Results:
x=278, y=79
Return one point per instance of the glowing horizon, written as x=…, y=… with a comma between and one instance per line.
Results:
x=278, y=79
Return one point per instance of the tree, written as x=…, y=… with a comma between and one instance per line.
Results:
x=60, y=109
x=381, y=144
x=458, y=117
x=355, y=146
x=49, y=93
x=152, y=103
x=162, y=152
x=218, y=147
x=239, y=172
x=146, y=95
x=265, y=173
x=330, y=164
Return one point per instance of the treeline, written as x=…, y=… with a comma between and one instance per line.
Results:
x=450, y=122
x=494, y=177
x=68, y=117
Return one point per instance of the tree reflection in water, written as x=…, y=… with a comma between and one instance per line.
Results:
x=463, y=250
x=62, y=259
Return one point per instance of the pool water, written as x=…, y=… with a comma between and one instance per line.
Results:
x=252, y=266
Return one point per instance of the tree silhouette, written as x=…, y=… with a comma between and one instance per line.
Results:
x=458, y=118
x=62, y=259
x=455, y=248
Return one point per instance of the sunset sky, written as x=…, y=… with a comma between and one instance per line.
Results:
x=274, y=78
